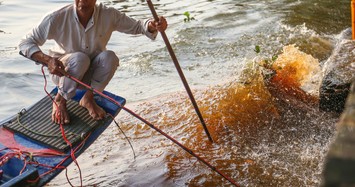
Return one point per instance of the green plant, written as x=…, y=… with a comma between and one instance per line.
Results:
x=267, y=62
x=257, y=49
x=188, y=17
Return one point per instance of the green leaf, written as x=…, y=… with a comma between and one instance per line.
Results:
x=187, y=14
x=257, y=49
x=274, y=58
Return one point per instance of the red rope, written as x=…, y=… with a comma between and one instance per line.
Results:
x=59, y=165
x=23, y=155
x=72, y=153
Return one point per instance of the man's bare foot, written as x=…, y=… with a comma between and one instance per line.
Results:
x=95, y=111
x=60, y=114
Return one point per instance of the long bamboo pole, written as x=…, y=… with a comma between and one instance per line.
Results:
x=178, y=68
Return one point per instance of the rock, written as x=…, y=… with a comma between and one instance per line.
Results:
x=339, y=167
x=339, y=72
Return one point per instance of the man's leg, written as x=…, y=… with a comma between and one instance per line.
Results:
x=76, y=64
x=103, y=67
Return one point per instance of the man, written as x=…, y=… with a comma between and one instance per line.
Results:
x=81, y=32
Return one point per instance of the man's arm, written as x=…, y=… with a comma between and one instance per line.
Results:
x=39, y=56
x=126, y=24
x=29, y=46
x=30, y=43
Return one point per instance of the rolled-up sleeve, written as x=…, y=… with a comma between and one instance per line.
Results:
x=30, y=43
x=129, y=25
x=147, y=33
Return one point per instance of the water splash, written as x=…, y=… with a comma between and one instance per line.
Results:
x=297, y=69
x=266, y=133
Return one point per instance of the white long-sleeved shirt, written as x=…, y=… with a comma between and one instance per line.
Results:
x=70, y=36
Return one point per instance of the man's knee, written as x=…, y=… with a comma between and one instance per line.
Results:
x=78, y=61
x=104, y=65
x=76, y=64
x=108, y=58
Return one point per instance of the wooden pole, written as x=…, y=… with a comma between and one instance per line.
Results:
x=178, y=68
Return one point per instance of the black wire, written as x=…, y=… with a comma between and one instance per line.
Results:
x=134, y=154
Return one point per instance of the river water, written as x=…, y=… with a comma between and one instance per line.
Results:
x=263, y=134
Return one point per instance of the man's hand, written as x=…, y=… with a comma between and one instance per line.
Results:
x=160, y=25
x=54, y=65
